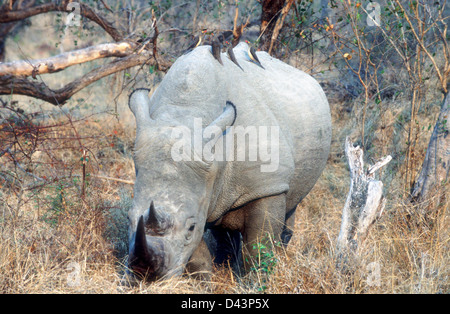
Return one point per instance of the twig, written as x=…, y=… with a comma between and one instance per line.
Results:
x=238, y=30
x=420, y=42
x=384, y=161
x=114, y=179
x=106, y=6
x=106, y=178
x=18, y=165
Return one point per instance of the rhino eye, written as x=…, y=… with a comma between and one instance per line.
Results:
x=190, y=231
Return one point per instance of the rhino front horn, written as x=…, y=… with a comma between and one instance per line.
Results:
x=140, y=244
x=147, y=257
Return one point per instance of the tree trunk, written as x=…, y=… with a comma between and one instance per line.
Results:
x=270, y=11
x=436, y=165
x=279, y=24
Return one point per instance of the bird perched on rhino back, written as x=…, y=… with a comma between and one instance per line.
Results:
x=216, y=47
x=196, y=41
x=215, y=42
x=253, y=57
x=204, y=38
x=233, y=57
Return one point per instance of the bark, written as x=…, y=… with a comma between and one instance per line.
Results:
x=365, y=201
x=436, y=165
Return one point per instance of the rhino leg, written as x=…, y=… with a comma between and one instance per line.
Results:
x=225, y=245
x=286, y=235
x=264, y=222
x=200, y=263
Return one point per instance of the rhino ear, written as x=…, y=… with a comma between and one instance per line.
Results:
x=227, y=118
x=139, y=103
x=218, y=128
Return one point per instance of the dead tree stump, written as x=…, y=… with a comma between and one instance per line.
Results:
x=365, y=201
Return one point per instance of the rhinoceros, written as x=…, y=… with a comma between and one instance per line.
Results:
x=181, y=192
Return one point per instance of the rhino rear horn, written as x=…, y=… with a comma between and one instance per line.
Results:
x=158, y=221
x=152, y=219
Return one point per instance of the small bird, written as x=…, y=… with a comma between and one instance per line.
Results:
x=233, y=57
x=220, y=38
x=216, y=49
x=195, y=43
x=253, y=56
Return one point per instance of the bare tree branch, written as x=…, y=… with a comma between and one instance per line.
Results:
x=13, y=75
x=64, y=60
x=238, y=30
x=60, y=6
x=10, y=84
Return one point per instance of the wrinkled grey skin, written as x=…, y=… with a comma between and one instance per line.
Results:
x=174, y=201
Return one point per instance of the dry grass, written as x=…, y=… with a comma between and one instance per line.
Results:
x=54, y=240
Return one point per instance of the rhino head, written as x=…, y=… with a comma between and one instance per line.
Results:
x=171, y=198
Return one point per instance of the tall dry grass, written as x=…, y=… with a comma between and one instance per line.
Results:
x=56, y=240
